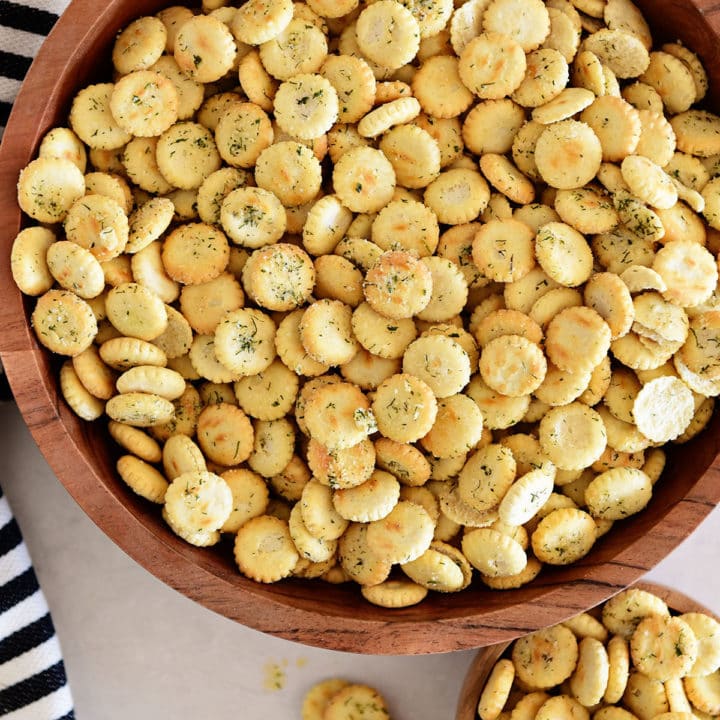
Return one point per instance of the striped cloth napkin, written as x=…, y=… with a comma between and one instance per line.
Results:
x=33, y=684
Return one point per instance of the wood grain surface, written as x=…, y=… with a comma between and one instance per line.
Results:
x=486, y=658
x=76, y=53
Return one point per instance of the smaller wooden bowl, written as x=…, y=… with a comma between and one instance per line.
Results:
x=486, y=658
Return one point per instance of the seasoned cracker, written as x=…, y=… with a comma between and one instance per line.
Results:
x=152, y=379
x=140, y=409
x=63, y=322
x=135, y=441
x=492, y=65
x=279, y=276
x=28, y=260
x=707, y=631
x=564, y=536
x=261, y=20
x=513, y=365
x=408, y=225
x=388, y=34
x=562, y=707
x=364, y=179
x=526, y=496
x=688, y=271
x=457, y=428
x=264, y=550
x=496, y=690
x=403, y=535
x=622, y=613
x=589, y=680
x=82, y=402
x=563, y=253
x=136, y=311
x=413, y=153
x=493, y=554
x=503, y=175
x=318, y=696
x=405, y=408
x=568, y=154
x=696, y=132
x=618, y=493
x=142, y=478
x=503, y=250
x=486, y=477
x=398, y=285
x=372, y=500
x=577, y=327
x=624, y=53
x=387, y=115
x=438, y=361
x=358, y=560
x=663, y=647
x=545, y=658
x=704, y=692
x=663, y=409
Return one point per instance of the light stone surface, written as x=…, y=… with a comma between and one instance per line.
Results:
x=135, y=648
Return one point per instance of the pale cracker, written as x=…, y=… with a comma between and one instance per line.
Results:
x=388, y=34
x=492, y=553
x=545, y=658
x=390, y=114
x=440, y=362
x=486, y=477
x=704, y=692
x=496, y=690
x=688, y=271
x=398, y=285
x=264, y=550
x=63, y=322
x=568, y=154
x=364, y=179
x=707, y=632
x=261, y=20
x=225, y=434
x=492, y=65
x=413, y=153
x=82, y=402
x=624, y=53
x=513, y=365
x=356, y=558
x=589, y=680
x=577, y=327
x=563, y=253
x=142, y=478
x=623, y=612
x=663, y=647
x=442, y=568
x=663, y=409
x=564, y=536
x=526, y=496
x=618, y=493
x=135, y=441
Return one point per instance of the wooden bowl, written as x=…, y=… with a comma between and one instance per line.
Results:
x=486, y=658
x=76, y=53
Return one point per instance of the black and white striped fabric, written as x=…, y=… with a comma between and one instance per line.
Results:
x=23, y=27
x=33, y=683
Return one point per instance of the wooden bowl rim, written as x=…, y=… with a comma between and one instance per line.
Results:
x=342, y=620
x=483, y=662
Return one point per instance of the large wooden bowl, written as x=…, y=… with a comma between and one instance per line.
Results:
x=76, y=53
x=484, y=661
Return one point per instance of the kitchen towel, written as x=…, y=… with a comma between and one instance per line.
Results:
x=33, y=683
